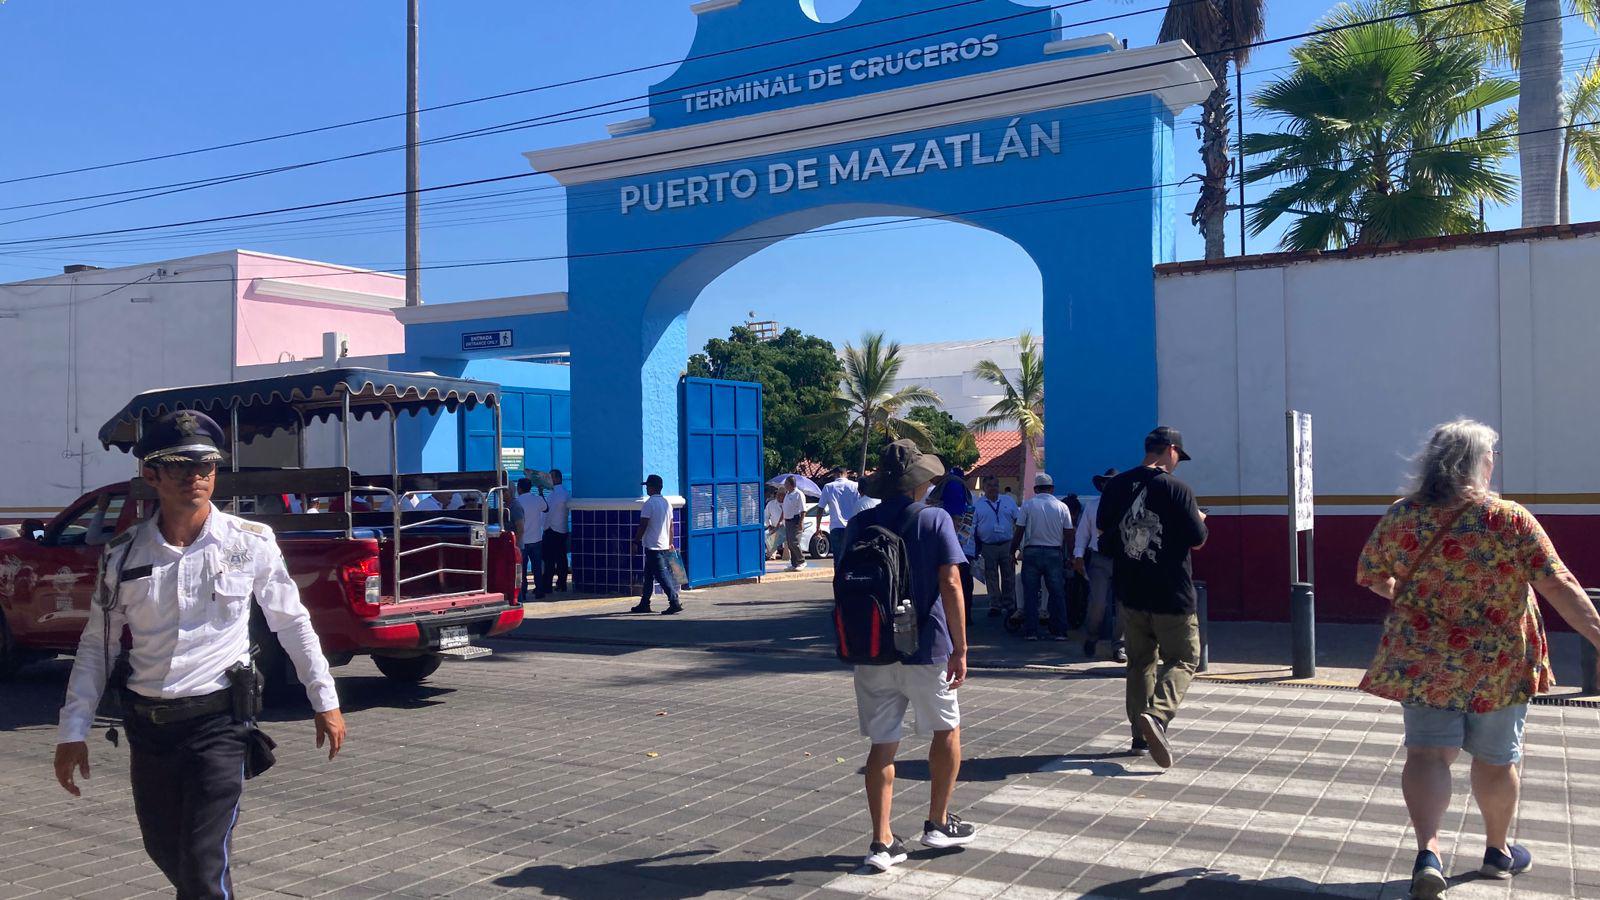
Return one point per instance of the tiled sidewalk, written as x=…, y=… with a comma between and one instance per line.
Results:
x=614, y=771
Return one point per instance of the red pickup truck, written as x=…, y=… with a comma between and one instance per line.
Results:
x=383, y=570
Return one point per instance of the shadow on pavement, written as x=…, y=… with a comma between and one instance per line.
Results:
x=33, y=696
x=357, y=693
x=1000, y=768
x=674, y=876
x=1204, y=884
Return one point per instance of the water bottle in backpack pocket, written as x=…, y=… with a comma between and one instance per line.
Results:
x=874, y=619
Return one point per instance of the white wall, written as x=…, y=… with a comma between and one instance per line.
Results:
x=946, y=368
x=76, y=348
x=1379, y=349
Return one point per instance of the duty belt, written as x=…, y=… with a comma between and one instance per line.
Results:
x=169, y=712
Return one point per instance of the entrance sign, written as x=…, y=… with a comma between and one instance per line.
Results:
x=1302, y=511
x=777, y=124
x=512, y=458
x=486, y=340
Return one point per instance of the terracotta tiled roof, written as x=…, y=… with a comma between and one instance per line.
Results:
x=999, y=455
x=1445, y=242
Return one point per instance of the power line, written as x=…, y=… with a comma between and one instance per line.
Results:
x=774, y=237
x=485, y=98
x=575, y=114
x=728, y=141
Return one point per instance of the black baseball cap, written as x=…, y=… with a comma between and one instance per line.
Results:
x=1163, y=437
x=652, y=481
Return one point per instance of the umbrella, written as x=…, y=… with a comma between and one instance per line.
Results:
x=806, y=485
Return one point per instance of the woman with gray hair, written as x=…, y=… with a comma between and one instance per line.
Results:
x=1463, y=647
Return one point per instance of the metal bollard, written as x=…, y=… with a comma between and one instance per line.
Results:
x=1591, y=683
x=1303, y=624
x=1201, y=612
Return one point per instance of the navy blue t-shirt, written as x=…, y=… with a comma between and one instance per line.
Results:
x=931, y=543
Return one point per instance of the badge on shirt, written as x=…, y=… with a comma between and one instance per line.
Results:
x=236, y=558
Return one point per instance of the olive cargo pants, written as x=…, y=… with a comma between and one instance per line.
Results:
x=1172, y=639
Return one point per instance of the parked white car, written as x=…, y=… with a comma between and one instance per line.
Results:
x=813, y=539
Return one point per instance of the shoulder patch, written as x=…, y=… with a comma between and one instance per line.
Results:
x=121, y=539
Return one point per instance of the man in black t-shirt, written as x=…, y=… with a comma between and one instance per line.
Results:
x=1148, y=523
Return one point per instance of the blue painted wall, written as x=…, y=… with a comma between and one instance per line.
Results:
x=537, y=412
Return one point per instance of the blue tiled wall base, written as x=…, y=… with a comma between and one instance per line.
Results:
x=605, y=558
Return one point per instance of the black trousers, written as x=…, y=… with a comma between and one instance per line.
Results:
x=555, y=561
x=187, y=778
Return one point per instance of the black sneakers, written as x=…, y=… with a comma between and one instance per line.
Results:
x=642, y=607
x=953, y=833
x=1154, y=732
x=1427, y=877
x=672, y=610
x=882, y=856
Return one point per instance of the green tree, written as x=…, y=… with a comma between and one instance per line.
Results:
x=867, y=401
x=1375, y=139
x=798, y=374
x=950, y=439
x=1022, y=401
x=1580, y=145
x=1219, y=31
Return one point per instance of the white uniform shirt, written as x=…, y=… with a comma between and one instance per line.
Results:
x=557, y=500
x=773, y=514
x=840, y=497
x=657, y=516
x=190, y=618
x=1043, y=518
x=794, y=504
x=1088, y=536
x=534, y=510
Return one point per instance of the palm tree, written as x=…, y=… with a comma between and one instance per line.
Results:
x=1540, y=147
x=1580, y=144
x=1022, y=403
x=869, y=400
x=1375, y=139
x=1218, y=31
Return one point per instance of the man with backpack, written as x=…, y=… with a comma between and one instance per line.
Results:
x=900, y=621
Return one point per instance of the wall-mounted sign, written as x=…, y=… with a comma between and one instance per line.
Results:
x=486, y=340
x=512, y=458
x=968, y=149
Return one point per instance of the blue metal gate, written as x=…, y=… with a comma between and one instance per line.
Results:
x=723, y=466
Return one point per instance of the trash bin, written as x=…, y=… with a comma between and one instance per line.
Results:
x=1201, y=613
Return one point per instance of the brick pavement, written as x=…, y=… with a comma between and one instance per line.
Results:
x=597, y=770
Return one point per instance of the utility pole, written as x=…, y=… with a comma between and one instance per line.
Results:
x=1238, y=103
x=413, y=238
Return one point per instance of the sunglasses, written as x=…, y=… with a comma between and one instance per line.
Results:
x=188, y=470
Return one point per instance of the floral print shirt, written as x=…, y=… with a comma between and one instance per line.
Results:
x=1466, y=634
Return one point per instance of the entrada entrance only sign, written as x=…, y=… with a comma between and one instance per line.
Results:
x=486, y=340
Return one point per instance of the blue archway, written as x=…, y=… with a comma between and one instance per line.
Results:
x=963, y=113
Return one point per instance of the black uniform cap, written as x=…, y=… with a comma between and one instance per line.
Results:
x=180, y=437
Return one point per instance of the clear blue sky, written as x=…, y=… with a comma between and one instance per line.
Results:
x=96, y=81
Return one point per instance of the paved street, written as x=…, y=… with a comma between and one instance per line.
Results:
x=581, y=762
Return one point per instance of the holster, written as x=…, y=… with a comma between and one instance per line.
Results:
x=244, y=687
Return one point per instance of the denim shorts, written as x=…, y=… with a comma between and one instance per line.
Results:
x=1494, y=738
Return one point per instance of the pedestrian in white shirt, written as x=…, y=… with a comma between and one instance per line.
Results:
x=772, y=519
x=994, y=521
x=555, y=536
x=840, y=499
x=1089, y=562
x=794, y=511
x=181, y=584
x=1044, y=535
x=654, y=536
x=534, y=512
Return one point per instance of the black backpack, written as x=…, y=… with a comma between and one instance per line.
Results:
x=873, y=616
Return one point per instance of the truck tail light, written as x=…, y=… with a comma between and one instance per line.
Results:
x=363, y=587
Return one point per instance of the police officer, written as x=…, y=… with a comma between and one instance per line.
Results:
x=181, y=584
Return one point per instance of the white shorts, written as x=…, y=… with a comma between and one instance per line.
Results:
x=884, y=692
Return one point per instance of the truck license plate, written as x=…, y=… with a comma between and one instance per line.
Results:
x=453, y=637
